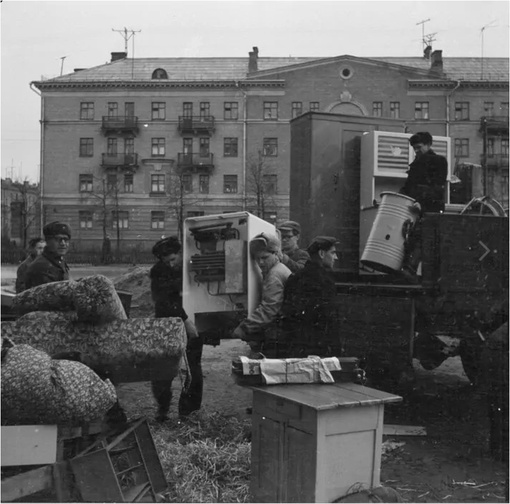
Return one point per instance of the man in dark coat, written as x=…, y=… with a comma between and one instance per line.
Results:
x=51, y=266
x=426, y=177
x=294, y=257
x=308, y=326
x=426, y=182
x=35, y=249
x=166, y=289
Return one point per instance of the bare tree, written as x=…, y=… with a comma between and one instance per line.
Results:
x=261, y=182
x=181, y=197
x=28, y=207
x=106, y=191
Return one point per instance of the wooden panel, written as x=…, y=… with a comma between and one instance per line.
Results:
x=29, y=444
x=150, y=458
x=266, y=460
x=300, y=462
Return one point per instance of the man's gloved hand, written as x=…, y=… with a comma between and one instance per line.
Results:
x=416, y=208
x=191, y=330
x=238, y=333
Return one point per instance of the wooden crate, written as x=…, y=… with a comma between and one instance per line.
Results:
x=123, y=469
x=311, y=443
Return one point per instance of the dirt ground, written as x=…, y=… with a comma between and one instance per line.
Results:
x=451, y=463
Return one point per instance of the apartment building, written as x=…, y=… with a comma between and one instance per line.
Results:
x=131, y=147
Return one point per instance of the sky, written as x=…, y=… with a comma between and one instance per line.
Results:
x=37, y=35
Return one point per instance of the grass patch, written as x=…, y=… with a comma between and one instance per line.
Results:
x=205, y=458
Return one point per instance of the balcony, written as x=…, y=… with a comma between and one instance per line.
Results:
x=196, y=125
x=494, y=124
x=496, y=161
x=122, y=161
x=120, y=125
x=198, y=163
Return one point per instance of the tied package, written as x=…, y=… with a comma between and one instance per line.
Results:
x=313, y=369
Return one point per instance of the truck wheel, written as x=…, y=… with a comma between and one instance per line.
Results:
x=470, y=350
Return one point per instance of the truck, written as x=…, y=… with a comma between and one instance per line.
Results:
x=340, y=166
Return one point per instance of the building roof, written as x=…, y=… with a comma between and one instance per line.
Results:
x=224, y=68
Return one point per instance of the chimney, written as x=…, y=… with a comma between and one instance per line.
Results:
x=252, y=63
x=427, y=51
x=437, y=61
x=118, y=56
x=78, y=69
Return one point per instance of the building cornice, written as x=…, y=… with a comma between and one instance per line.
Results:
x=159, y=84
x=452, y=84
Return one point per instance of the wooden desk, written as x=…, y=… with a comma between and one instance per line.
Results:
x=312, y=443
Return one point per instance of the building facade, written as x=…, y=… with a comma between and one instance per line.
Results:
x=132, y=147
x=21, y=212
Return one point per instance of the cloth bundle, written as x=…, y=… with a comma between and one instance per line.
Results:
x=93, y=298
x=39, y=390
x=313, y=369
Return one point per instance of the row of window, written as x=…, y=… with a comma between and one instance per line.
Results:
x=158, y=110
x=421, y=110
x=461, y=147
x=271, y=109
x=158, y=146
x=158, y=184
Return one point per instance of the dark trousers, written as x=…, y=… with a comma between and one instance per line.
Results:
x=191, y=399
x=412, y=247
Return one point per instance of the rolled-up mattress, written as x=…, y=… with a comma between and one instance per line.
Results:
x=93, y=298
x=124, y=350
x=39, y=390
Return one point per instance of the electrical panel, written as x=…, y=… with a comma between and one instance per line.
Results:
x=221, y=283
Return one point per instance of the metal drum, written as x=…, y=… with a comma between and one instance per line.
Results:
x=384, y=250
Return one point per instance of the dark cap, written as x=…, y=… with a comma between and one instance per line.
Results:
x=290, y=225
x=264, y=242
x=166, y=246
x=321, y=243
x=423, y=137
x=56, y=228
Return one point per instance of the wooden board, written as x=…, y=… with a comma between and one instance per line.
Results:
x=29, y=445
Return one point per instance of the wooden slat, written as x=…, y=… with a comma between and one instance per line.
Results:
x=136, y=493
x=27, y=483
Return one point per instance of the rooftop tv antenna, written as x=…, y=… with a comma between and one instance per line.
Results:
x=126, y=37
x=482, y=30
x=422, y=23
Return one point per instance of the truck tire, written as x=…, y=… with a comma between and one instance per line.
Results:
x=470, y=351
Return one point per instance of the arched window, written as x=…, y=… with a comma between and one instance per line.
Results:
x=159, y=73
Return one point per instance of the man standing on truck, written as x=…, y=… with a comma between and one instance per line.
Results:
x=425, y=183
x=51, y=266
x=294, y=257
x=308, y=326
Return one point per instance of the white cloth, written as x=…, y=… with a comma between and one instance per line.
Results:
x=312, y=369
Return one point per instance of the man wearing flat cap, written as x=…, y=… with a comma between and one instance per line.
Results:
x=51, y=266
x=308, y=325
x=293, y=257
x=266, y=251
